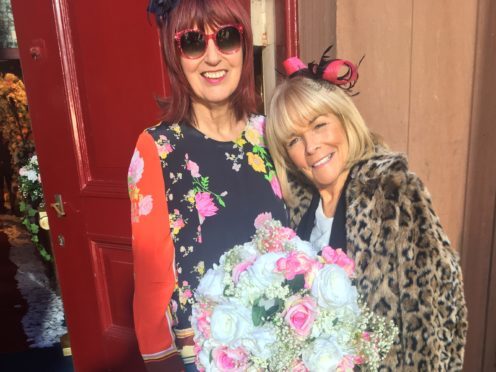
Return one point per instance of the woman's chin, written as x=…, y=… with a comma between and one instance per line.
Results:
x=327, y=182
x=214, y=100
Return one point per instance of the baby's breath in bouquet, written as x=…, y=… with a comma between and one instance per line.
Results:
x=276, y=303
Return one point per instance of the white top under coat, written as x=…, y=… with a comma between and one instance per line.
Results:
x=321, y=232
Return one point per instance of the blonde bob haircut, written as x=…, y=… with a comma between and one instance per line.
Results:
x=295, y=104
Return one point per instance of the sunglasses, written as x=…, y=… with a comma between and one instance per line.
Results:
x=193, y=43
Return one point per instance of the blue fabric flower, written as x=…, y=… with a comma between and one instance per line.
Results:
x=161, y=8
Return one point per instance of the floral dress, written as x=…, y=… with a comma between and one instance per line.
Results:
x=192, y=198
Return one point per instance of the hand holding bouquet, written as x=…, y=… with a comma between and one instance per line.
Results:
x=276, y=303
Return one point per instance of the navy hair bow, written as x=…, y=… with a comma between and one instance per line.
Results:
x=161, y=8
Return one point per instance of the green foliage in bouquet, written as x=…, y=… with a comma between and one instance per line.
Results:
x=32, y=202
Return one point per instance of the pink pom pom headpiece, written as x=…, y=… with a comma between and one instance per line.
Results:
x=330, y=70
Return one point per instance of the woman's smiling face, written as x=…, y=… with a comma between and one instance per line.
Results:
x=214, y=76
x=320, y=151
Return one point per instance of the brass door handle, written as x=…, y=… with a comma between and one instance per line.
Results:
x=58, y=205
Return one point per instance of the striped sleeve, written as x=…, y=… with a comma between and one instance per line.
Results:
x=153, y=254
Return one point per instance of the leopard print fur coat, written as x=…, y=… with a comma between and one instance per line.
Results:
x=405, y=266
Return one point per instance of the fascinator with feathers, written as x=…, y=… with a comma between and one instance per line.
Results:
x=161, y=9
x=339, y=72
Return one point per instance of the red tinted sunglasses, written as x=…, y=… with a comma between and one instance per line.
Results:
x=193, y=43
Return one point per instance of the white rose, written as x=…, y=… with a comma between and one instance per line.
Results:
x=323, y=355
x=333, y=288
x=247, y=251
x=204, y=356
x=246, y=291
x=305, y=247
x=230, y=322
x=259, y=342
x=261, y=274
x=31, y=175
x=211, y=285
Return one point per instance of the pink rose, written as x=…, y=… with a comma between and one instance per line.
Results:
x=262, y=218
x=193, y=168
x=276, y=187
x=203, y=322
x=297, y=263
x=312, y=273
x=227, y=360
x=298, y=366
x=346, y=364
x=359, y=360
x=276, y=237
x=205, y=205
x=197, y=349
x=300, y=314
x=293, y=264
x=240, y=268
x=145, y=205
x=338, y=257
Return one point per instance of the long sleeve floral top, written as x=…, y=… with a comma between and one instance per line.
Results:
x=192, y=198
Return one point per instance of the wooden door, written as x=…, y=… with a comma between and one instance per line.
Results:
x=92, y=70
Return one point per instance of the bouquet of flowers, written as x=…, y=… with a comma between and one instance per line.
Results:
x=30, y=186
x=277, y=304
x=32, y=205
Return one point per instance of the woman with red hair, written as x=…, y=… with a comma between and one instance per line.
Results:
x=199, y=178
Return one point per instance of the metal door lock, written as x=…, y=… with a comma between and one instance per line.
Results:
x=61, y=240
x=58, y=205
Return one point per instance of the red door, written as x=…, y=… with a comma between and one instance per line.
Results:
x=92, y=70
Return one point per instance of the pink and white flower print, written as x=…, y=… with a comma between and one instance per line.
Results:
x=136, y=168
x=205, y=205
x=201, y=195
x=145, y=205
x=141, y=205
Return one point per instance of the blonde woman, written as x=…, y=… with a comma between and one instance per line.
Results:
x=368, y=203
